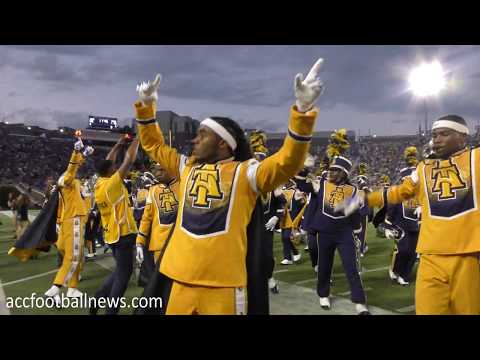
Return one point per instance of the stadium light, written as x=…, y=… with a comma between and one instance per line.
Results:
x=29, y=128
x=61, y=130
x=428, y=79
x=6, y=122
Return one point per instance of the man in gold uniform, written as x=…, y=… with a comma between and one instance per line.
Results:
x=205, y=259
x=447, y=188
x=72, y=214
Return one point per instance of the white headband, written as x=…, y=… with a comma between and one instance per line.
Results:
x=220, y=131
x=450, y=125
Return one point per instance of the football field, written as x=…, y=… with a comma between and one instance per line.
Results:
x=297, y=282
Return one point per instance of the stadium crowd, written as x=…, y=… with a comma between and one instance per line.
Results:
x=31, y=160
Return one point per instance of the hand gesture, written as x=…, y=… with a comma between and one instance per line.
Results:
x=88, y=151
x=270, y=225
x=309, y=89
x=147, y=91
x=78, y=146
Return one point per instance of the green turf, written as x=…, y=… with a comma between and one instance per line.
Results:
x=381, y=293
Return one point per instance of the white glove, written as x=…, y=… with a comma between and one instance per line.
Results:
x=307, y=91
x=78, y=146
x=350, y=205
x=147, y=91
x=309, y=161
x=88, y=151
x=277, y=192
x=418, y=212
x=270, y=225
x=139, y=254
x=389, y=234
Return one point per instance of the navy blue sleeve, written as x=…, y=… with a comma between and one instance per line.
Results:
x=304, y=186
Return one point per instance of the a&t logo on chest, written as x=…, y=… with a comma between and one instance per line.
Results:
x=336, y=196
x=205, y=186
x=446, y=180
x=168, y=202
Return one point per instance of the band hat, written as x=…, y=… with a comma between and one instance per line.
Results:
x=341, y=163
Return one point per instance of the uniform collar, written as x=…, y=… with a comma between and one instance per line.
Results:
x=222, y=161
x=171, y=182
x=459, y=152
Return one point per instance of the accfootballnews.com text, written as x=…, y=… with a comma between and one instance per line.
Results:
x=85, y=302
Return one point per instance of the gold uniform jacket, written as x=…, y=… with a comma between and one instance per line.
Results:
x=112, y=200
x=159, y=215
x=208, y=246
x=72, y=203
x=448, y=193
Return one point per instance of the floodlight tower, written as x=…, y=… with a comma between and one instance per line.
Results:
x=428, y=79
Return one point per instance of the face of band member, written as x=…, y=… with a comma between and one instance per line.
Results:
x=336, y=176
x=205, y=145
x=161, y=174
x=446, y=142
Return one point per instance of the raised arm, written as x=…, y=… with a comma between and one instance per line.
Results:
x=151, y=136
x=153, y=142
x=76, y=160
x=130, y=157
x=112, y=155
x=289, y=160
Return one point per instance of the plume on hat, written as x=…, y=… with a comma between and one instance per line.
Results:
x=410, y=155
x=362, y=168
x=339, y=143
x=258, y=142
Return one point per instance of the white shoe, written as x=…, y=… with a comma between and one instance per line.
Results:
x=74, y=293
x=325, y=303
x=297, y=257
x=316, y=268
x=392, y=275
x=306, y=248
x=273, y=285
x=286, y=262
x=362, y=309
x=402, y=282
x=79, y=277
x=89, y=256
x=53, y=291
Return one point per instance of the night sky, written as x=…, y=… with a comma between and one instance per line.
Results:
x=366, y=86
